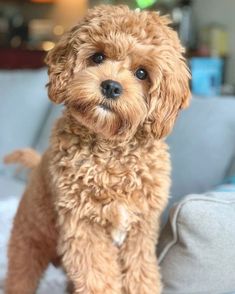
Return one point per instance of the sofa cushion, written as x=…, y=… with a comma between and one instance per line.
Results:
x=24, y=105
x=196, y=247
x=231, y=171
x=10, y=186
x=43, y=139
x=202, y=146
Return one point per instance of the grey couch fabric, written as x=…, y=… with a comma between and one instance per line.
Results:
x=196, y=248
x=231, y=171
x=202, y=146
x=24, y=106
x=43, y=139
x=10, y=186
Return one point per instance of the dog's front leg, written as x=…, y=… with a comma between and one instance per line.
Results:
x=89, y=258
x=139, y=263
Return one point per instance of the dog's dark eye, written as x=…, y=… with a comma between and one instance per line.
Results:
x=98, y=57
x=141, y=74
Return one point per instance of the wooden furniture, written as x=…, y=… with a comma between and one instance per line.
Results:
x=11, y=58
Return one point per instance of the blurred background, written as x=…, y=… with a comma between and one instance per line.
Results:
x=29, y=28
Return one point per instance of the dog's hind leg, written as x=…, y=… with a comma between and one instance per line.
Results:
x=30, y=249
x=89, y=257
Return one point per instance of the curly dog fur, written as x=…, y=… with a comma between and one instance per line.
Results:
x=95, y=198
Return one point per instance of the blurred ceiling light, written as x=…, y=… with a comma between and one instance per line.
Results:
x=47, y=45
x=68, y=12
x=58, y=30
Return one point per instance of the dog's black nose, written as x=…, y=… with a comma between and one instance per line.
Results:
x=111, y=89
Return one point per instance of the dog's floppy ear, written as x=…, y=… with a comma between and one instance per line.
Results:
x=172, y=96
x=170, y=91
x=60, y=61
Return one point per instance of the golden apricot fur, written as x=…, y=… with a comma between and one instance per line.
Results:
x=94, y=199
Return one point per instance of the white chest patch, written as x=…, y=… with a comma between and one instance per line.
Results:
x=118, y=237
x=119, y=233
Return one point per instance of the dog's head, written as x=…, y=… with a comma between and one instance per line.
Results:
x=119, y=71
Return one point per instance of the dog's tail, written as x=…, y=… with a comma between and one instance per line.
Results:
x=27, y=157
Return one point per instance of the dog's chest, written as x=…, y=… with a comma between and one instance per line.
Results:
x=95, y=185
x=86, y=177
x=110, y=175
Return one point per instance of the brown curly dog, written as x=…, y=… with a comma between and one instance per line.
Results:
x=95, y=198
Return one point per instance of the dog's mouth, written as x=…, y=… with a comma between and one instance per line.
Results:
x=86, y=108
